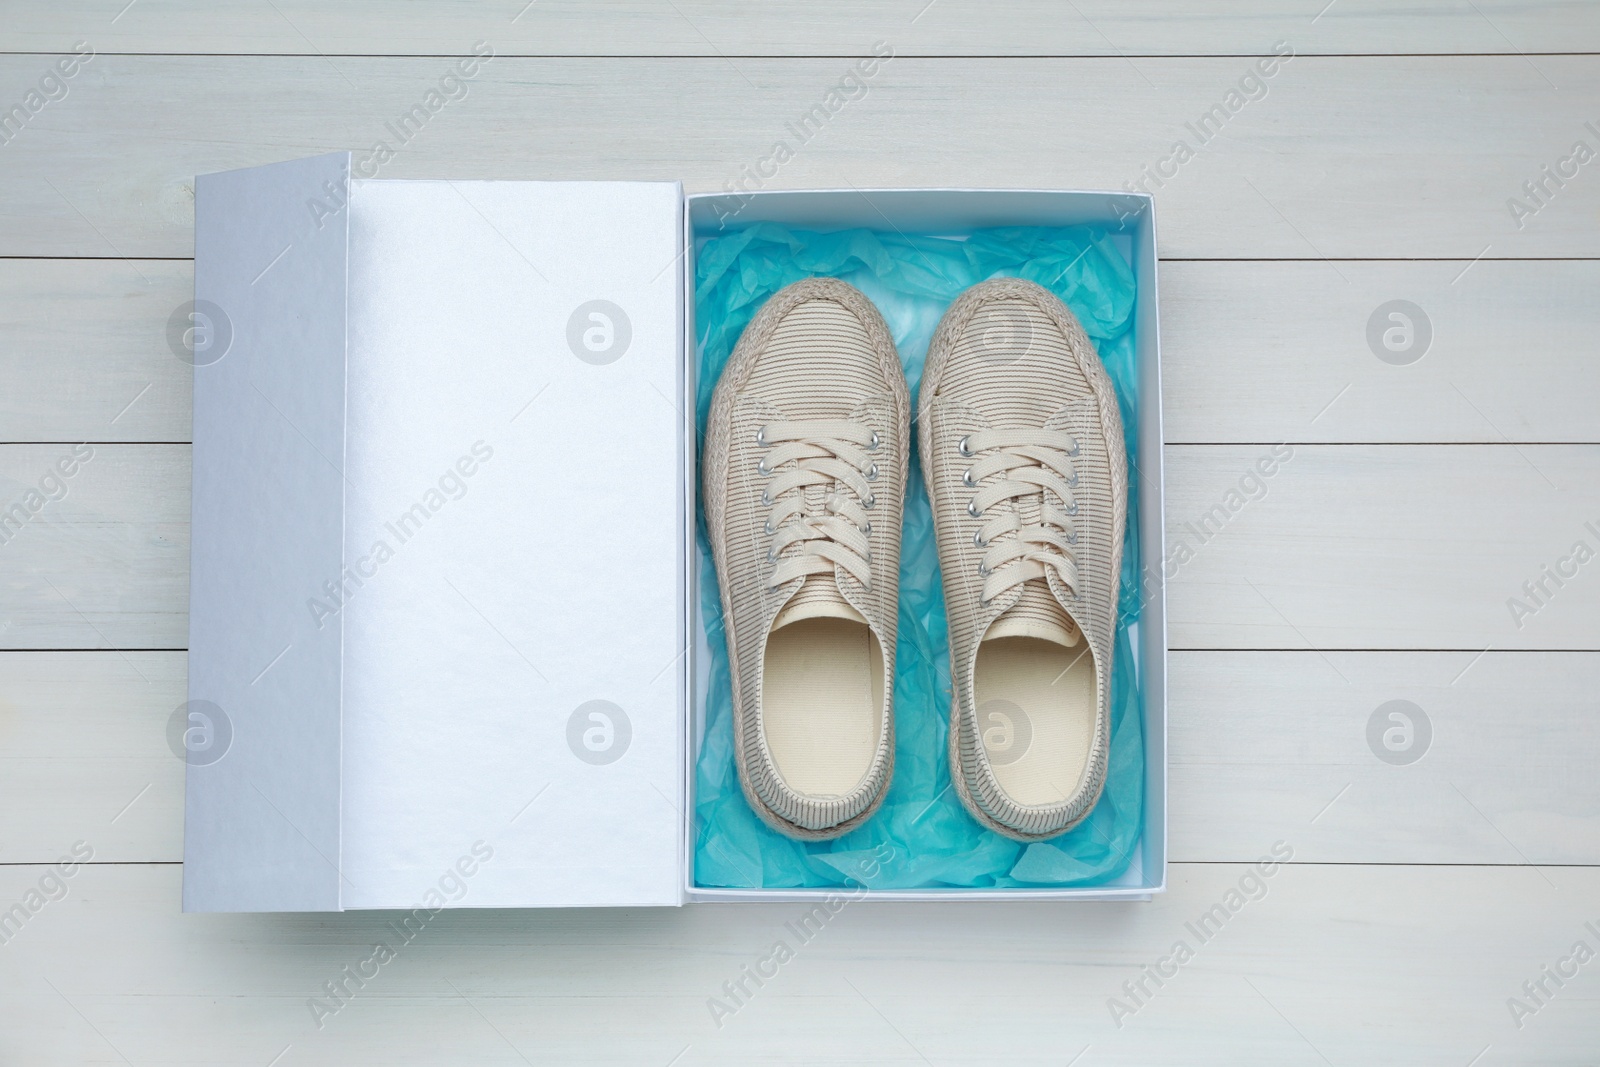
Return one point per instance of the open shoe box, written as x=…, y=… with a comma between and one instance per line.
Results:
x=445, y=646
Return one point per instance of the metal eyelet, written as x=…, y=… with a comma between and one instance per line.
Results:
x=766, y=498
x=772, y=556
x=761, y=437
x=1072, y=538
x=977, y=539
x=966, y=479
x=872, y=472
x=769, y=529
x=1072, y=481
x=872, y=446
x=963, y=446
x=1072, y=508
x=1075, y=448
x=984, y=571
x=762, y=468
x=867, y=529
x=972, y=509
x=870, y=501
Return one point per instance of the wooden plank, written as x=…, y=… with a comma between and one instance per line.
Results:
x=1326, y=164
x=1383, y=547
x=1252, y=351
x=84, y=754
x=1492, y=763
x=1261, y=747
x=84, y=350
x=1280, y=352
x=1341, y=547
x=1335, y=964
x=103, y=561
x=828, y=27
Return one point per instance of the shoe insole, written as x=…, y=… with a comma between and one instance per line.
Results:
x=1036, y=711
x=822, y=704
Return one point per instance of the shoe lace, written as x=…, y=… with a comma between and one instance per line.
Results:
x=806, y=539
x=1034, y=466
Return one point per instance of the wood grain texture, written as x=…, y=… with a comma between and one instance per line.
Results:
x=1343, y=965
x=1383, y=547
x=1280, y=352
x=84, y=350
x=1263, y=745
x=1342, y=158
x=84, y=755
x=1251, y=352
x=826, y=27
x=103, y=563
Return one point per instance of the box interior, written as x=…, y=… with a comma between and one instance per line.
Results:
x=955, y=212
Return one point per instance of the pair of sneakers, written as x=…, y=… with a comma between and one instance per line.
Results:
x=805, y=467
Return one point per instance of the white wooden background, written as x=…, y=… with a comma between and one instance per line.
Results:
x=1377, y=567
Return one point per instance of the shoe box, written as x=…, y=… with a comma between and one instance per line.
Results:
x=445, y=638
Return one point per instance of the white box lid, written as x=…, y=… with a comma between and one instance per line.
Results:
x=439, y=559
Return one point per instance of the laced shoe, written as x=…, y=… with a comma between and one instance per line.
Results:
x=1022, y=451
x=804, y=484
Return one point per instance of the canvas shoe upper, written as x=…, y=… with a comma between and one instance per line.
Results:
x=804, y=481
x=1022, y=450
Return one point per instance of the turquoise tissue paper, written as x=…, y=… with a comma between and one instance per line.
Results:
x=921, y=837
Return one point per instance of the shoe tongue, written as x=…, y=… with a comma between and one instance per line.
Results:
x=818, y=598
x=1036, y=614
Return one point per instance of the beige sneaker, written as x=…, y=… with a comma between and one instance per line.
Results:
x=805, y=473
x=1022, y=452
